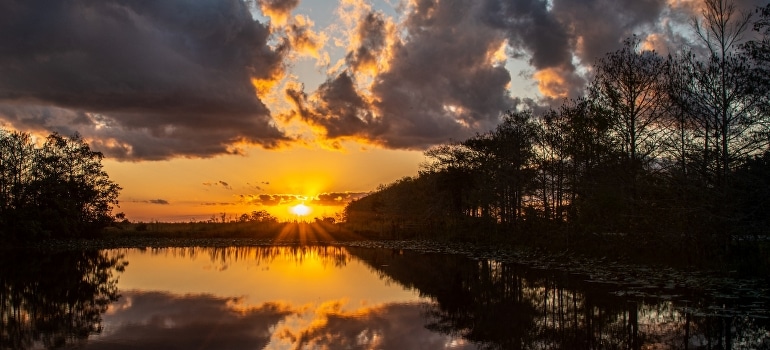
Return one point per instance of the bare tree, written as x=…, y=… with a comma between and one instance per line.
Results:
x=629, y=85
x=721, y=103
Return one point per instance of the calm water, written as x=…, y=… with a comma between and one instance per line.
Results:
x=347, y=298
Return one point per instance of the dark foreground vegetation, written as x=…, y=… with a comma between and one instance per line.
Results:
x=56, y=189
x=664, y=158
x=279, y=232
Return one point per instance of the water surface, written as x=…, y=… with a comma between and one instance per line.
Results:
x=331, y=297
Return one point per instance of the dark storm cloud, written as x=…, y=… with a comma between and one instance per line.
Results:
x=372, y=33
x=599, y=26
x=146, y=79
x=531, y=28
x=440, y=84
x=340, y=110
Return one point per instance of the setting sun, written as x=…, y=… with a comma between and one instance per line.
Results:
x=300, y=209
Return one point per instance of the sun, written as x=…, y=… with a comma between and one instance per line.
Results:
x=300, y=209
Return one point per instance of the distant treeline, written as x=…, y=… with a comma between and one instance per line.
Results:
x=56, y=188
x=667, y=153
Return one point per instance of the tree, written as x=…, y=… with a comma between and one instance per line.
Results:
x=451, y=165
x=16, y=160
x=759, y=51
x=629, y=84
x=629, y=88
x=721, y=101
x=487, y=176
x=72, y=186
x=57, y=189
x=514, y=153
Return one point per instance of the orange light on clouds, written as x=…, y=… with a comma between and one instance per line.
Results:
x=551, y=83
x=305, y=41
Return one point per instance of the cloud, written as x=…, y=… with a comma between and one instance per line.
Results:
x=302, y=38
x=219, y=183
x=149, y=201
x=337, y=198
x=390, y=326
x=592, y=39
x=439, y=80
x=142, y=80
x=154, y=320
x=438, y=74
x=369, y=42
x=324, y=199
x=278, y=10
x=184, y=78
x=559, y=82
x=217, y=204
x=270, y=199
x=531, y=29
x=338, y=109
x=569, y=34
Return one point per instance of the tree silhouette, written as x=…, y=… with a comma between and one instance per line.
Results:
x=58, y=189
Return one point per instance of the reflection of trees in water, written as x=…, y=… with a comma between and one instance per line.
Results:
x=224, y=256
x=512, y=307
x=52, y=299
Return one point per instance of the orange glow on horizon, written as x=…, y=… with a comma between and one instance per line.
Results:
x=193, y=190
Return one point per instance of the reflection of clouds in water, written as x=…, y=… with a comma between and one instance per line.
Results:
x=146, y=320
x=389, y=326
x=162, y=320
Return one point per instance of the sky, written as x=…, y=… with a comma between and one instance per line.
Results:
x=204, y=107
x=319, y=298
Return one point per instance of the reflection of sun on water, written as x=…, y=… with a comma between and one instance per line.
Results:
x=300, y=209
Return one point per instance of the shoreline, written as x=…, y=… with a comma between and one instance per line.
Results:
x=620, y=278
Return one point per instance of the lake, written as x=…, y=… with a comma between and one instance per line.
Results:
x=348, y=297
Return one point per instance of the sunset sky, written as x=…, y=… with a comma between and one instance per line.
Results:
x=204, y=107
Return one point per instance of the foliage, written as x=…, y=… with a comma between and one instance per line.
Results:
x=56, y=189
x=661, y=155
x=257, y=216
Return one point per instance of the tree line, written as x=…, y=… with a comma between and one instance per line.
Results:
x=669, y=151
x=52, y=188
